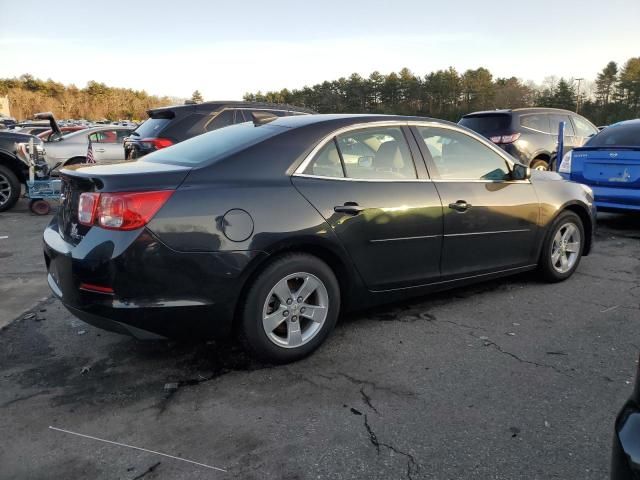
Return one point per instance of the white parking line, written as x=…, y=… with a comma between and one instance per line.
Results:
x=137, y=448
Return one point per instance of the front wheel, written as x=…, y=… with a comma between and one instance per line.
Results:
x=562, y=249
x=539, y=165
x=290, y=308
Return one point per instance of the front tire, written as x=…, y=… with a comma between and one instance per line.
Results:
x=539, y=164
x=290, y=308
x=9, y=188
x=562, y=249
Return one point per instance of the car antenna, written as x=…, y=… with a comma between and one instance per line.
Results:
x=260, y=118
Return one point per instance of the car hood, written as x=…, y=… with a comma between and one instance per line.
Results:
x=543, y=176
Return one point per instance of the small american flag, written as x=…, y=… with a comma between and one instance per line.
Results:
x=90, y=158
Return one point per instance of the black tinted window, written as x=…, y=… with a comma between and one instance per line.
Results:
x=152, y=127
x=223, y=119
x=555, y=120
x=539, y=122
x=186, y=127
x=213, y=146
x=621, y=135
x=458, y=156
x=487, y=124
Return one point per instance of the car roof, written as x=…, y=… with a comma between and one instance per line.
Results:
x=296, y=121
x=523, y=110
x=633, y=121
x=218, y=104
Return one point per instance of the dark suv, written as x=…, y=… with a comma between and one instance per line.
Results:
x=169, y=125
x=531, y=134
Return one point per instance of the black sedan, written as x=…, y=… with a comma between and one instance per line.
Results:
x=272, y=228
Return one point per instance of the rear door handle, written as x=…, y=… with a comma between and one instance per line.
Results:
x=350, y=208
x=460, y=206
x=100, y=150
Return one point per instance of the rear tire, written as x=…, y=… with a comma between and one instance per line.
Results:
x=562, y=249
x=9, y=188
x=290, y=308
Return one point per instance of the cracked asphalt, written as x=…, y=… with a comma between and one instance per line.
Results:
x=507, y=379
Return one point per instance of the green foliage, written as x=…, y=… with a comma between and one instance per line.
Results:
x=448, y=94
x=197, y=97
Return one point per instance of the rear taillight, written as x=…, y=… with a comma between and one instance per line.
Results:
x=156, y=143
x=87, y=208
x=502, y=139
x=120, y=211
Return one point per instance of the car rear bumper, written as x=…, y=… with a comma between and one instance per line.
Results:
x=157, y=292
x=625, y=459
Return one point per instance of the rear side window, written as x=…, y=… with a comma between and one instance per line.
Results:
x=152, y=127
x=213, y=146
x=555, y=120
x=221, y=120
x=584, y=128
x=622, y=135
x=538, y=122
x=189, y=126
x=487, y=125
x=378, y=153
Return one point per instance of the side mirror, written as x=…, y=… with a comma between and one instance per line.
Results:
x=520, y=172
x=365, y=162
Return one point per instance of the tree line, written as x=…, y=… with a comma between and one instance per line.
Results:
x=97, y=101
x=448, y=94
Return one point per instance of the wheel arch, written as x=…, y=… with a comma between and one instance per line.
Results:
x=587, y=222
x=13, y=163
x=338, y=262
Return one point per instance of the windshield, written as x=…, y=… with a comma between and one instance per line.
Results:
x=213, y=146
x=487, y=125
x=620, y=135
x=151, y=127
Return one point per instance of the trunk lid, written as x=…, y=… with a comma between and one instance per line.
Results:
x=120, y=177
x=617, y=167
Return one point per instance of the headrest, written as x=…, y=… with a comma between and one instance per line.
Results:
x=388, y=156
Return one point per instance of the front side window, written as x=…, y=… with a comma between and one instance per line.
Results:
x=458, y=156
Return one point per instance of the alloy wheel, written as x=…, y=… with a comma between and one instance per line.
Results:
x=295, y=310
x=566, y=247
x=5, y=189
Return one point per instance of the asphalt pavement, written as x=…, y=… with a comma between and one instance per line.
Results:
x=509, y=379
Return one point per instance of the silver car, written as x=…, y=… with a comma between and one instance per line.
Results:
x=106, y=143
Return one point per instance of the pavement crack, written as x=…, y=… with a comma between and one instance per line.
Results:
x=375, y=386
x=412, y=466
x=498, y=348
x=147, y=471
x=367, y=400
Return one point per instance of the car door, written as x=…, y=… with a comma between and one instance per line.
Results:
x=107, y=145
x=384, y=210
x=490, y=221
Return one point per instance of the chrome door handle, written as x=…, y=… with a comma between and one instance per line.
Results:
x=100, y=150
x=350, y=208
x=460, y=206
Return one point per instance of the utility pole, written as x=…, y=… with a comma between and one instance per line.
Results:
x=579, y=80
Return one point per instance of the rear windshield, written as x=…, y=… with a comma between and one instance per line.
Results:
x=487, y=124
x=211, y=147
x=152, y=127
x=624, y=135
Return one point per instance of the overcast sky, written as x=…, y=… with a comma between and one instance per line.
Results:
x=225, y=49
